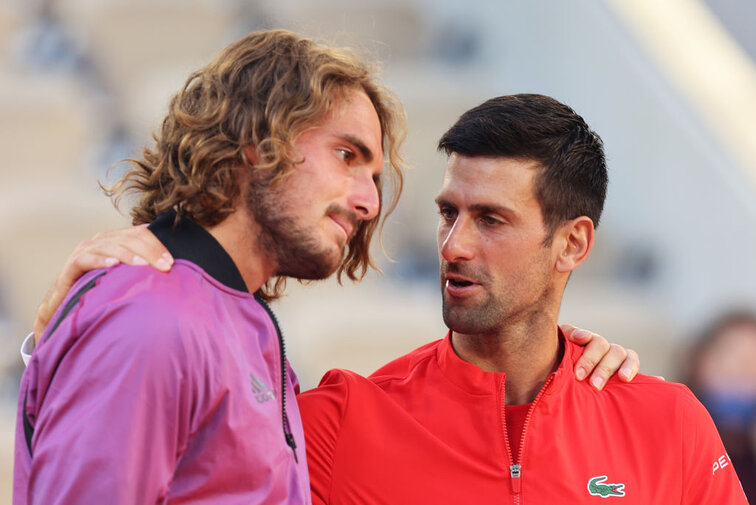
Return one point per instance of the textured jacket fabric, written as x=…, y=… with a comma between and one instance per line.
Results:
x=160, y=388
x=430, y=428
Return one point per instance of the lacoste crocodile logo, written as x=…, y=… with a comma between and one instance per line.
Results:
x=597, y=486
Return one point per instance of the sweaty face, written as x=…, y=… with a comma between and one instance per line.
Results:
x=495, y=268
x=307, y=220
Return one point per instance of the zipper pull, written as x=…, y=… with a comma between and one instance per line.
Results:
x=514, y=472
x=293, y=444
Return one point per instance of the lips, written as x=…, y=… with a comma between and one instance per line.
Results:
x=458, y=280
x=344, y=224
x=459, y=285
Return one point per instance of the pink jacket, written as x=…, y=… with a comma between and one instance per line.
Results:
x=153, y=387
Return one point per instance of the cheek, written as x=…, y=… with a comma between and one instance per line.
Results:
x=294, y=203
x=516, y=257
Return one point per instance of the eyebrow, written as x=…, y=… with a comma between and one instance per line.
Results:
x=360, y=145
x=481, y=208
x=484, y=208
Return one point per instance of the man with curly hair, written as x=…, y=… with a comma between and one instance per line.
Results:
x=151, y=387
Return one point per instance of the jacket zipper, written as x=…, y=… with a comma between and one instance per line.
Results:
x=515, y=469
x=288, y=436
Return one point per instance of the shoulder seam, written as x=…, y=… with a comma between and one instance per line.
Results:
x=382, y=379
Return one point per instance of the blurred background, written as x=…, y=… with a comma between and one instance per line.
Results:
x=670, y=86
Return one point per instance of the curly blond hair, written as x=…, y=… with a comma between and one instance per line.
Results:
x=263, y=91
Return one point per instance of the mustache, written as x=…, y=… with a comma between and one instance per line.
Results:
x=348, y=215
x=476, y=275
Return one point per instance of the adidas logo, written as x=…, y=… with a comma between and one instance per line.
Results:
x=261, y=391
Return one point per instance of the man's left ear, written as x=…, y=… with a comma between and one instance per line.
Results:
x=575, y=242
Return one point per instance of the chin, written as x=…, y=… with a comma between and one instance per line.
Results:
x=313, y=268
x=326, y=271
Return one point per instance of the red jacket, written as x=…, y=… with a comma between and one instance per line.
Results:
x=429, y=428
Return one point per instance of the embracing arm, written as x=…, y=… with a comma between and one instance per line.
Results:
x=132, y=246
x=106, y=412
x=138, y=246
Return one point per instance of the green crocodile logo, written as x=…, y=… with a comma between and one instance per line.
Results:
x=597, y=486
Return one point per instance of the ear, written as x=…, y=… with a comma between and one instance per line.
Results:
x=251, y=153
x=576, y=242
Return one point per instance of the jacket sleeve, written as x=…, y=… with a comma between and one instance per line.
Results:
x=322, y=411
x=114, y=416
x=708, y=474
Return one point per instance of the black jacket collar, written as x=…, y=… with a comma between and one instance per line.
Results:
x=191, y=242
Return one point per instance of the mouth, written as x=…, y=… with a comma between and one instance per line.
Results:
x=458, y=286
x=458, y=283
x=344, y=225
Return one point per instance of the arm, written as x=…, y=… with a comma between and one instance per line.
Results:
x=139, y=246
x=132, y=246
x=105, y=403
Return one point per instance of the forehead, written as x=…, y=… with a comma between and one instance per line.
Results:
x=494, y=180
x=353, y=114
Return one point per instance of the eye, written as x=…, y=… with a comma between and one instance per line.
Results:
x=490, y=221
x=345, y=154
x=447, y=213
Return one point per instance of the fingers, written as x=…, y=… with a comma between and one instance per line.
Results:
x=596, y=347
x=609, y=364
x=601, y=359
x=577, y=335
x=630, y=367
x=132, y=246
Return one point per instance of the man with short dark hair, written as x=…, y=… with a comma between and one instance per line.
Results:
x=492, y=413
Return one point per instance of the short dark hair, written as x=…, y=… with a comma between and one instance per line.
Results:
x=572, y=180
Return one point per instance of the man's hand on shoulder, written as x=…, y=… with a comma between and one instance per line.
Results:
x=601, y=360
x=132, y=246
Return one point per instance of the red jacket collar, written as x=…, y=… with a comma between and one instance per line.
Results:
x=476, y=381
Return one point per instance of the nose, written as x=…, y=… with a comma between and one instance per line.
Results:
x=455, y=241
x=365, y=200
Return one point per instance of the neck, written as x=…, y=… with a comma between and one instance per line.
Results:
x=527, y=352
x=237, y=234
